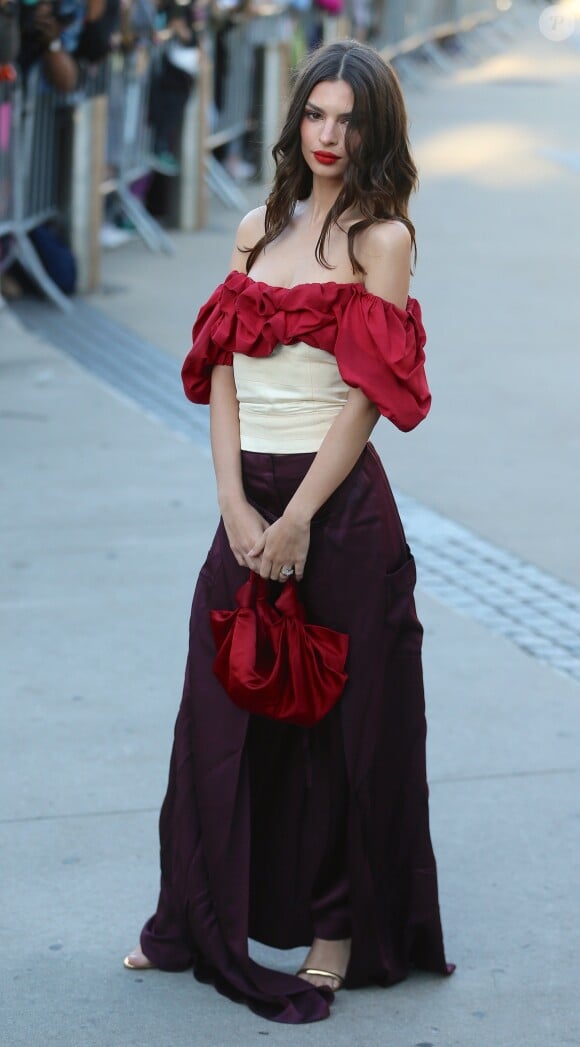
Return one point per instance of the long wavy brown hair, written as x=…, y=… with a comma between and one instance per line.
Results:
x=381, y=174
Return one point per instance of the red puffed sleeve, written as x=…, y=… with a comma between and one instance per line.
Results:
x=206, y=350
x=379, y=349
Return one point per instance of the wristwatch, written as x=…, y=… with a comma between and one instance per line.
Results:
x=55, y=45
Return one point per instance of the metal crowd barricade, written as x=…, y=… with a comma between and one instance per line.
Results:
x=269, y=37
x=28, y=172
x=233, y=117
x=129, y=139
x=409, y=25
x=254, y=50
x=10, y=101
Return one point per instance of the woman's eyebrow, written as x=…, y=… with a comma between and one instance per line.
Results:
x=317, y=109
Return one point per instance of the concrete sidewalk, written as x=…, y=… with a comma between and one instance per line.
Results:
x=108, y=516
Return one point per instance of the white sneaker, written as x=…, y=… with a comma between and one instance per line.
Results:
x=111, y=236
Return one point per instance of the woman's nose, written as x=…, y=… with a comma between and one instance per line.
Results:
x=329, y=133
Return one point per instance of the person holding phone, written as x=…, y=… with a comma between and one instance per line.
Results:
x=54, y=33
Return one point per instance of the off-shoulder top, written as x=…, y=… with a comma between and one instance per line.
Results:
x=288, y=400
x=373, y=345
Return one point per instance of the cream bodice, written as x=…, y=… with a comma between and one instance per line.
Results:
x=288, y=400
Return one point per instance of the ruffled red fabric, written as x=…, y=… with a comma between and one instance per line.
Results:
x=378, y=347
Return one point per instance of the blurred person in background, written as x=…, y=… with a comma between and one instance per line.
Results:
x=49, y=35
x=57, y=37
x=225, y=15
x=174, y=79
x=100, y=24
x=362, y=15
x=57, y=34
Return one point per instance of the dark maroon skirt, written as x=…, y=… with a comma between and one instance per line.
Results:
x=281, y=833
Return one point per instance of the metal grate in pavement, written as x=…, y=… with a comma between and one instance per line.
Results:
x=512, y=598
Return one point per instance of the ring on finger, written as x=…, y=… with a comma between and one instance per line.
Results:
x=287, y=572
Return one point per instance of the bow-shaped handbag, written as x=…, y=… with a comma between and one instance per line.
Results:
x=271, y=662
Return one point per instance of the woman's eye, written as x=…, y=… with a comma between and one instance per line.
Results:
x=311, y=115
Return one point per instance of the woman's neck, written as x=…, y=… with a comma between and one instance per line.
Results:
x=325, y=192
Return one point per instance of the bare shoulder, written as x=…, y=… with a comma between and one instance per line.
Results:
x=252, y=225
x=250, y=230
x=384, y=250
x=386, y=240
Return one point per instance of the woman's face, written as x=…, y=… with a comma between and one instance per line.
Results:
x=323, y=128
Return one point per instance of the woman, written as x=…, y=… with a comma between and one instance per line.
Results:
x=309, y=836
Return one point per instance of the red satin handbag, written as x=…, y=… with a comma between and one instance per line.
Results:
x=270, y=661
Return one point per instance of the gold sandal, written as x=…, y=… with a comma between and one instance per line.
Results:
x=323, y=974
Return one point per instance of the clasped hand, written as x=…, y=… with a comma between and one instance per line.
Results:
x=266, y=548
x=283, y=544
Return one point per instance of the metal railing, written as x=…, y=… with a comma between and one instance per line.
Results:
x=129, y=138
x=406, y=27
x=230, y=115
x=9, y=130
x=252, y=50
x=28, y=164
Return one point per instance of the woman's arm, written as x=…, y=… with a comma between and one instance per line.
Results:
x=385, y=254
x=225, y=436
x=242, y=522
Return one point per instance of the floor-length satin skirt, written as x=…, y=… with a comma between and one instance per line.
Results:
x=280, y=833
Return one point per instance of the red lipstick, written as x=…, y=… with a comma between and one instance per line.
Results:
x=326, y=158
